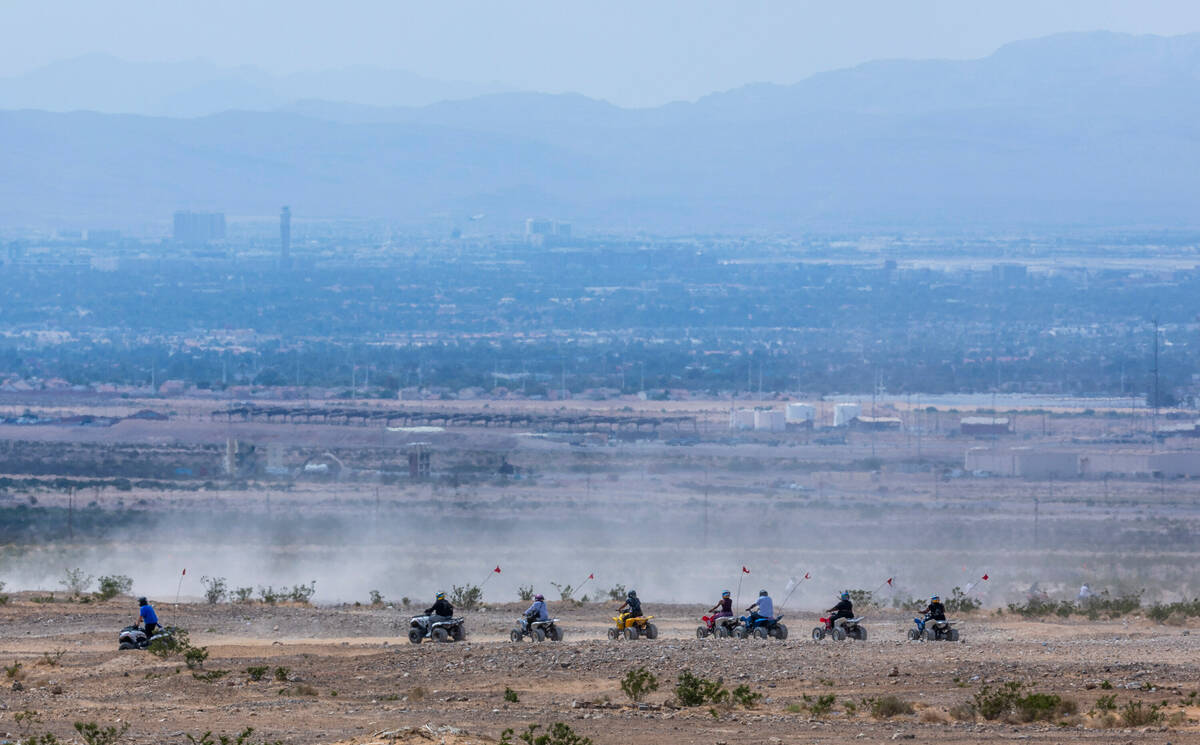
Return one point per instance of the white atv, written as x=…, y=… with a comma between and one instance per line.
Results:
x=928, y=629
x=539, y=631
x=440, y=630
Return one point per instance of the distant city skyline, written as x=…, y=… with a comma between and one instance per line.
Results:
x=630, y=54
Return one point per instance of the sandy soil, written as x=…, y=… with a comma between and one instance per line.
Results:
x=351, y=677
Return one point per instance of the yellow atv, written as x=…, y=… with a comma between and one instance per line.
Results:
x=631, y=627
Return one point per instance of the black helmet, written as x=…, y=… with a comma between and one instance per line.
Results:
x=632, y=594
x=143, y=601
x=762, y=593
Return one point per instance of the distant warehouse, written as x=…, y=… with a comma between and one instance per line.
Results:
x=985, y=426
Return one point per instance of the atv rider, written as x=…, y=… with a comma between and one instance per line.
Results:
x=843, y=610
x=441, y=609
x=935, y=611
x=764, y=607
x=535, y=612
x=147, y=616
x=632, y=608
x=723, y=609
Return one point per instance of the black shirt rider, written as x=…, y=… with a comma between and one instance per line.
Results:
x=441, y=607
x=935, y=611
x=844, y=609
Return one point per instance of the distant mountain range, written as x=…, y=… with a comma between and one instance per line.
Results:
x=1094, y=129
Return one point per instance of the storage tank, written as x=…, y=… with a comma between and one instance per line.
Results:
x=843, y=414
x=741, y=419
x=770, y=420
x=800, y=413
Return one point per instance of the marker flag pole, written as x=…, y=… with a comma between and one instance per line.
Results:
x=590, y=577
x=887, y=582
x=739, y=590
x=491, y=574
x=793, y=583
x=973, y=584
x=179, y=587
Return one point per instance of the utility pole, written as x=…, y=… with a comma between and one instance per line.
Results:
x=1154, y=418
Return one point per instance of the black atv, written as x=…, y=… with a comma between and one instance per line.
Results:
x=439, y=630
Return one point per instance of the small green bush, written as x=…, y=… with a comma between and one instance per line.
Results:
x=94, y=734
x=524, y=593
x=112, y=585
x=639, y=683
x=75, y=581
x=215, y=589
x=466, y=597
x=194, y=657
x=281, y=674
x=257, y=672
x=821, y=705
x=511, y=696
x=1135, y=714
x=887, y=707
x=558, y=734
x=692, y=690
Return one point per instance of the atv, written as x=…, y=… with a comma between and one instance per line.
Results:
x=632, y=628
x=932, y=630
x=134, y=637
x=851, y=628
x=761, y=627
x=539, y=631
x=441, y=630
x=722, y=627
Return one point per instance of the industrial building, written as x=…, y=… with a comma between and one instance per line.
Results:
x=770, y=420
x=985, y=426
x=875, y=423
x=800, y=414
x=1027, y=462
x=843, y=414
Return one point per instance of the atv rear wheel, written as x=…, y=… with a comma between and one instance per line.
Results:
x=930, y=635
x=458, y=633
x=440, y=635
x=861, y=634
x=651, y=631
x=760, y=632
x=515, y=635
x=953, y=635
x=415, y=636
x=723, y=632
x=779, y=632
x=631, y=633
x=818, y=633
x=556, y=634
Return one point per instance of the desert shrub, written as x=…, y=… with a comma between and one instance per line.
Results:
x=960, y=602
x=1041, y=608
x=169, y=645
x=43, y=739
x=14, y=671
x=993, y=703
x=94, y=734
x=300, y=689
x=616, y=592
x=1106, y=703
x=3, y=597
x=243, y=738
x=376, y=597
x=208, y=676
x=112, y=585
x=53, y=659
x=692, y=690
x=862, y=599
x=1043, y=707
x=194, y=657
x=1160, y=612
x=302, y=593
x=821, y=705
x=887, y=707
x=257, y=672
x=558, y=734
x=525, y=593
x=416, y=693
x=566, y=592
x=1009, y=700
x=243, y=594
x=281, y=674
x=511, y=696
x=75, y=581
x=26, y=719
x=1135, y=714
x=269, y=595
x=215, y=589
x=639, y=683
x=466, y=597
x=743, y=696
x=963, y=711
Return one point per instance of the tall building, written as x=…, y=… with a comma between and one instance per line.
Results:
x=285, y=236
x=198, y=228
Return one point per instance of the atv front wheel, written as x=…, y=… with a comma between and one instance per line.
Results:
x=515, y=635
x=539, y=635
x=127, y=645
x=838, y=634
x=701, y=632
x=914, y=635
x=415, y=636
x=631, y=633
x=818, y=633
x=613, y=635
x=760, y=632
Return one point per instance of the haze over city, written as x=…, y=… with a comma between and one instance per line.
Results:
x=387, y=373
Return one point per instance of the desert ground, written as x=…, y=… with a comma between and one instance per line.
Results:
x=347, y=674
x=675, y=513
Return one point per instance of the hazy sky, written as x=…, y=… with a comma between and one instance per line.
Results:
x=631, y=53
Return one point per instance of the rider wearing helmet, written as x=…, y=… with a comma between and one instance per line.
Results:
x=723, y=609
x=843, y=610
x=535, y=612
x=631, y=608
x=764, y=607
x=147, y=616
x=441, y=607
x=935, y=611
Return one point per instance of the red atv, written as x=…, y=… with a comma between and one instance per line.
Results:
x=722, y=627
x=851, y=628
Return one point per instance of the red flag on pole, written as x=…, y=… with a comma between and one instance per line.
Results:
x=497, y=569
x=184, y=572
x=807, y=575
x=745, y=570
x=890, y=581
x=985, y=577
x=591, y=576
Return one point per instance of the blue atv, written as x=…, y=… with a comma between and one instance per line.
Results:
x=761, y=628
x=931, y=629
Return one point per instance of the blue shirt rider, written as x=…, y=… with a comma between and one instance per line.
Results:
x=764, y=607
x=147, y=616
x=535, y=612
